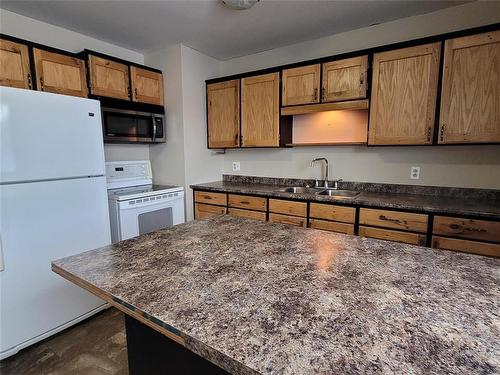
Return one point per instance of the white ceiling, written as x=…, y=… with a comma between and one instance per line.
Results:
x=210, y=28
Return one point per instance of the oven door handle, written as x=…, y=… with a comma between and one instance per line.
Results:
x=153, y=120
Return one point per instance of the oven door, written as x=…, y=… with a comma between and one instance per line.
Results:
x=131, y=126
x=144, y=215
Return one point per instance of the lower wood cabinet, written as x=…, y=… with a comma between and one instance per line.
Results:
x=475, y=247
x=281, y=206
x=59, y=73
x=257, y=215
x=287, y=219
x=332, y=212
x=219, y=199
x=393, y=235
x=247, y=202
x=202, y=211
x=393, y=219
x=331, y=226
x=482, y=230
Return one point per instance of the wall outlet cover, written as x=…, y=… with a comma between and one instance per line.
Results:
x=415, y=173
x=236, y=165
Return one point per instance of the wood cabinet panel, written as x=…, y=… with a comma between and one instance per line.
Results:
x=14, y=65
x=108, y=78
x=470, y=99
x=59, y=73
x=482, y=230
x=260, y=111
x=224, y=114
x=247, y=202
x=403, y=99
x=147, y=86
x=393, y=219
x=301, y=85
x=257, y=215
x=202, y=211
x=290, y=220
x=467, y=246
x=393, y=235
x=210, y=198
x=331, y=226
x=288, y=207
x=344, y=79
x=332, y=212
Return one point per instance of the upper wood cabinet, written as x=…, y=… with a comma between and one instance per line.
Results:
x=60, y=73
x=108, y=78
x=223, y=100
x=344, y=79
x=14, y=65
x=260, y=110
x=403, y=99
x=301, y=85
x=470, y=100
x=147, y=86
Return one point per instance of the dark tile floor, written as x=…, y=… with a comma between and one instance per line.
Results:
x=97, y=346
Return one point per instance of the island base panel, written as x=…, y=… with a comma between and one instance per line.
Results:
x=151, y=353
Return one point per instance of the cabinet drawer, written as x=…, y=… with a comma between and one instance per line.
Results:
x=211, y=198
x=393, y=235
x=467, y=228
x=202, y=211
x=285, y=219
x=288, y=207
x=250, y=203
x=393, y=219
x=332, y=212
x=257, y=215
x=467, y=246
x=332, y=226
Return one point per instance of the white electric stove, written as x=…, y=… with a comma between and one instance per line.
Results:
x=136, y=206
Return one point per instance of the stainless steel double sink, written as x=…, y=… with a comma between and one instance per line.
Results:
x=320, y=191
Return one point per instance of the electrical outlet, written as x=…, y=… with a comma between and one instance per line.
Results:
x=415, y=173
x=236, y=165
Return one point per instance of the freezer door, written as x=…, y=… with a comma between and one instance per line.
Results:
x=48, y=136
x=40, y=222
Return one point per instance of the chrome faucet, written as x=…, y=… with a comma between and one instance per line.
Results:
x=326, y=173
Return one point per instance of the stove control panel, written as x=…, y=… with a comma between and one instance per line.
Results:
x=128, y=173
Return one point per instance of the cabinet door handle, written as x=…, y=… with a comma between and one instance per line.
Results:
x=323, y=93
x=429, y=134
x=442, y=131
x=30, y=82
x=135, y=93
x=315, y=94
x=41, y=84
x=362, y=79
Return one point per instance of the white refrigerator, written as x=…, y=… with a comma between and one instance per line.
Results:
x=53, y=203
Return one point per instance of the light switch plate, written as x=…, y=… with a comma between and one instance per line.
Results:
x=415, y=173
x=236, y=165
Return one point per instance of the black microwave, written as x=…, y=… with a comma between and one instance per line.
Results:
x=126, y=126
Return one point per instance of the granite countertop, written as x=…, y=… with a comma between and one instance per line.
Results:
x=261, y=298
x=487, y=206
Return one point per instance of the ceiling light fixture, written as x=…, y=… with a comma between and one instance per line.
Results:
x=239, y=4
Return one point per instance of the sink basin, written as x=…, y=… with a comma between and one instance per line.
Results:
x=338, y=193
x=297, y=190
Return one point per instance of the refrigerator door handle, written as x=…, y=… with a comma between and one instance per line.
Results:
x=2, y=265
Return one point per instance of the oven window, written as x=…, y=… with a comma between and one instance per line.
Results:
x=125, y=125
x=155, y=220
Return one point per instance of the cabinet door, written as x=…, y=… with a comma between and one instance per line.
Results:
x=470, y=100
x=14, y=65
x=223, y=114
x=300, y=85
x=260, y=111
x=147, y=86
x=108, y=78
x=344, y=79
x=404, y=90
x=59, y=73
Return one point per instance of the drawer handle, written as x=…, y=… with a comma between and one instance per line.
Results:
x=244, y=202
x=207, y=197
x=468, y=229
x=385, y=218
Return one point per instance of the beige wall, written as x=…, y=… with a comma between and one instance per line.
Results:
x=466, y=166
x=40, y=32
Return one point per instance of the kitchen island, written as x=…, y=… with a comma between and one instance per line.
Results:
x=258, y=298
